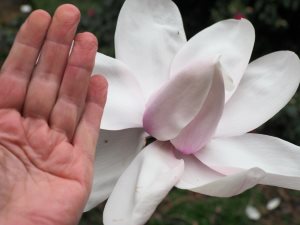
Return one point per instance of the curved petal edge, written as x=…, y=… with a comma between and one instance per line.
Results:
x=267, y=86
x=143, y=185
x=125, y=102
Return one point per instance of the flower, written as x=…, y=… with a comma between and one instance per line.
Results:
x=198, y=99
x=91, y=12
x=239, y=15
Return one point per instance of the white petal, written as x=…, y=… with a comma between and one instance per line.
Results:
x=277, y=158
x=200, y=178
x=125, y=103
x=231, y=39
x=115, y=151
x=148, y=35
x=252, y=213
x=143, y=185
x=177, y=103
x=198, y=132
x=273, y=203
x=267, y=86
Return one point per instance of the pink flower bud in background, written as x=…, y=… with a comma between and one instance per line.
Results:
x=91, y=12
x=239, y=15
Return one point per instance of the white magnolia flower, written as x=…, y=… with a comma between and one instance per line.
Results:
x=199, y=99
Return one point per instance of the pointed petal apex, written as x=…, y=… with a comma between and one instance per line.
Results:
x=177, y=103
x=200, y=130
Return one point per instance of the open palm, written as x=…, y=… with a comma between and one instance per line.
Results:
x=50, y=110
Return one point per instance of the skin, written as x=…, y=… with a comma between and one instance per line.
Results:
x=50, y=111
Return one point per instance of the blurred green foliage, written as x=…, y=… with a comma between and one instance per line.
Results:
x=277, y=28
x=187, y=208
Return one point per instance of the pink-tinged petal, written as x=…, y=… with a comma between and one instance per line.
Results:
x=149, y=33
x=143, y=185
x=177, y=103
x=232, y=39
x=125, y=103
x=200, y=178
x=277, y=158
x=115, y=151
x=198, y=132
x=267, y=86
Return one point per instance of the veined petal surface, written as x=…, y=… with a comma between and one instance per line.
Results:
x=115, y=151
x=200, y=130
x=143, y=185
x=148, y=35
x=177, y=103
x=202, y=179
x=277, y=158
x=231, y=39
x=267, y=86
x=125, y=103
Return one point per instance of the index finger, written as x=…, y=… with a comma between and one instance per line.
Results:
x=28, y=42
x=17, y=69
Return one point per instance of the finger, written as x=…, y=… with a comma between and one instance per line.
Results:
x=87, y=131
x=72, y=95
x=18, y=66
x=27, y=44
x=47, y=76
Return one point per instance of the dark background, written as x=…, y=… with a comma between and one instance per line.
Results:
x=277, y=25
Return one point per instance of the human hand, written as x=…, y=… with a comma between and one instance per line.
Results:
x=49, y=121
